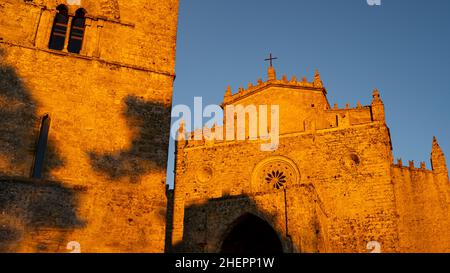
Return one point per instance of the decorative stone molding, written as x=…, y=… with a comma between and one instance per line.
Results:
x=351, y=162
x=101, y=8
x=204, y=174
x=274, y=173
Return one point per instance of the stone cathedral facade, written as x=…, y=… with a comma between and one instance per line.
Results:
x=85, y=102
x=331, y=186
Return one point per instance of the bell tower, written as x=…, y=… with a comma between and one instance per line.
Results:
x=85, y=101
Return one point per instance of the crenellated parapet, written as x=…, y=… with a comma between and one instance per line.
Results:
x=321, y=117
x=412, y=166
x=437, y=160
x=315, y=85
x=421, y=197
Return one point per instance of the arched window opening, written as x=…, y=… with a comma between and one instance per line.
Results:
x=77, y=31
x=59, y=30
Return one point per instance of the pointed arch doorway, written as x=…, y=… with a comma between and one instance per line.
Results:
x=251, y=235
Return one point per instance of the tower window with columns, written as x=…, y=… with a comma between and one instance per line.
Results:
x=59, y=29
x=77, y=31
x=66, y=25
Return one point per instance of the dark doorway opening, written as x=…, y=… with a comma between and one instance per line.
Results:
x=252, y=235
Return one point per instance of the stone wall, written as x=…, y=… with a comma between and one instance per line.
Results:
x=423, y=205
x=337, y=188
x=38, y=216
x=341, y=199
x=110, y=115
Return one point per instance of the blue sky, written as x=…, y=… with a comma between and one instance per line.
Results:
x=401, y=47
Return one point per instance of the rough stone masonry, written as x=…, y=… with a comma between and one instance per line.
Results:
x=85, y=101
x=331, y=186
x=102, y=181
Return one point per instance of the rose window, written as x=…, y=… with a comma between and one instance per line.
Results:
x=276, y=178
x=274, y=173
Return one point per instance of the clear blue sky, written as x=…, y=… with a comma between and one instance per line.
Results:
x=401, y=47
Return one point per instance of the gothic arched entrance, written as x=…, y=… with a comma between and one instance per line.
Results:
x=251, y=235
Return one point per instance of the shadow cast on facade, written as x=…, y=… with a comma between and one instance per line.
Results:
x=27, y=205
x=233, y=225
x=30, y=206
x=145, y=153
x=20, y=124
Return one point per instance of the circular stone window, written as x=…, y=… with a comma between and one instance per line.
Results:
x=275, y=173
x=204, y=174
x=351, y=161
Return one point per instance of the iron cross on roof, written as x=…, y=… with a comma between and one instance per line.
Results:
x=271, y=59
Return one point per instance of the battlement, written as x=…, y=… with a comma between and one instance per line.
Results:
x=307, y=111
x=348, y=107
x=412, y=166
x=437, y=160
x=293, y=83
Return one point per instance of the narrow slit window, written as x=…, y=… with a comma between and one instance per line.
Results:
x=59, y=30
x=41, y=148
x=77, y=32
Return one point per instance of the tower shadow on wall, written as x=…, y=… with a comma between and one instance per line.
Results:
x=20, y=124
x=28, y=205
x=236, y=224
x=149, y=121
